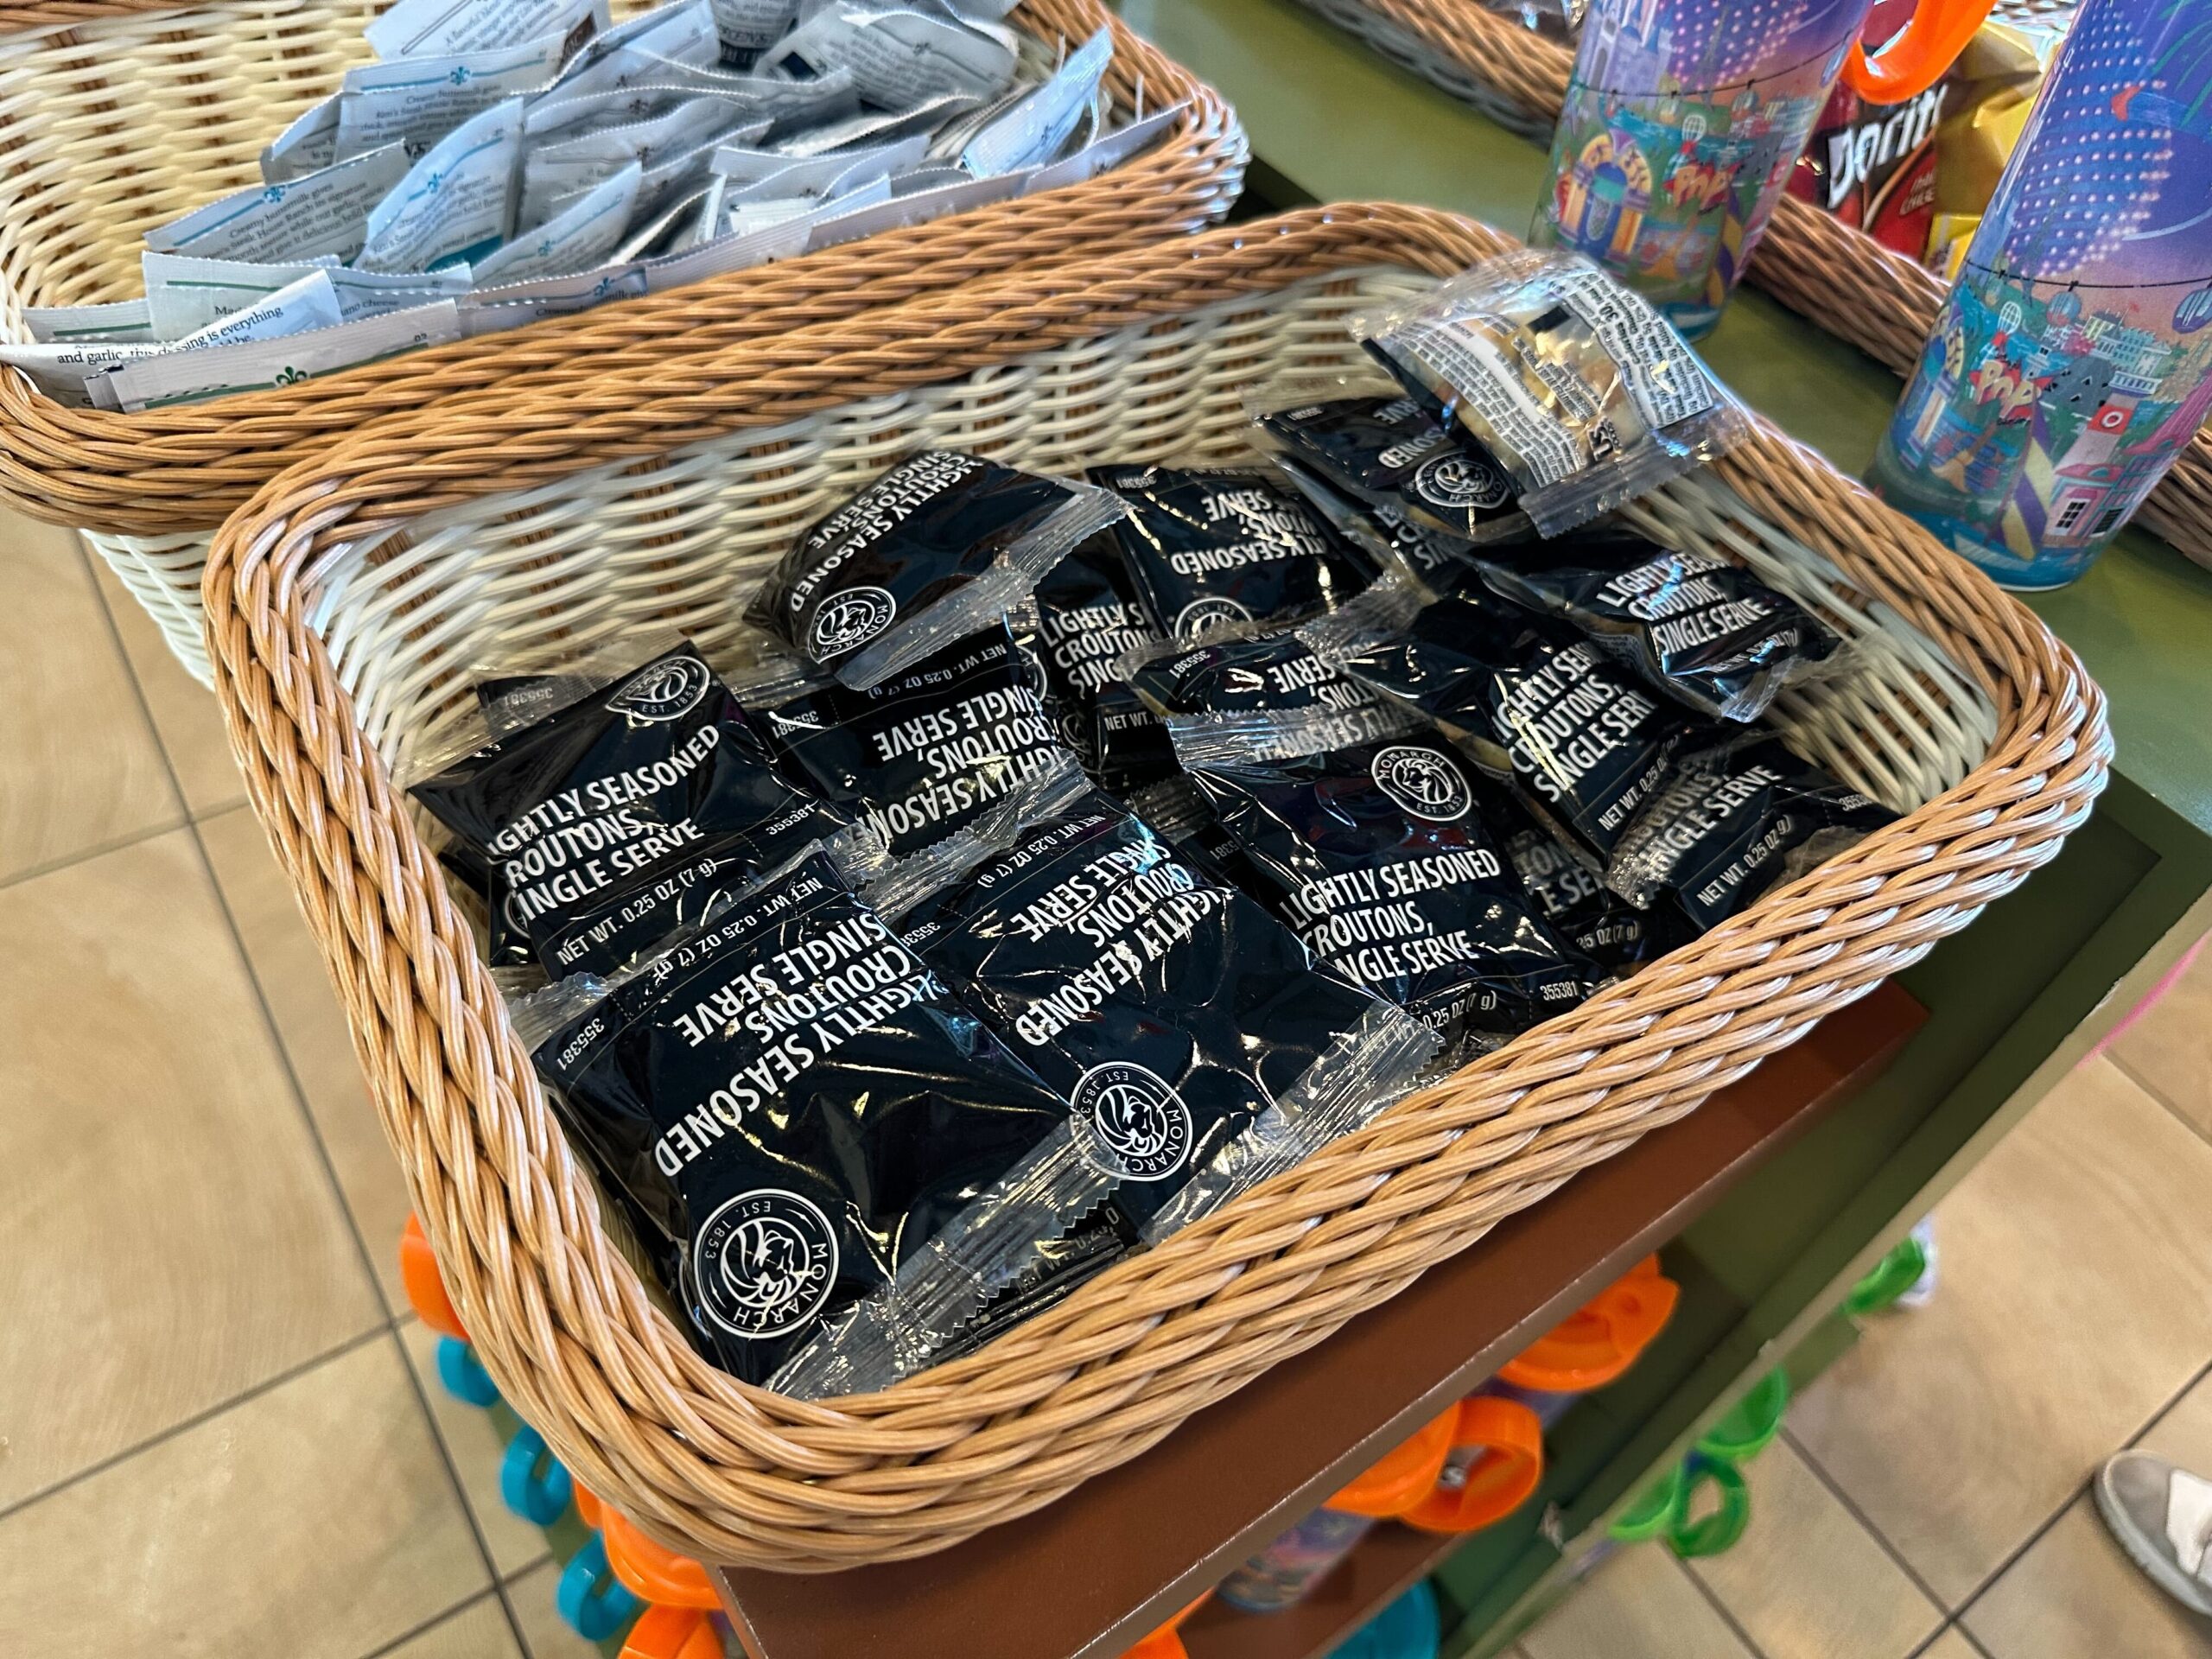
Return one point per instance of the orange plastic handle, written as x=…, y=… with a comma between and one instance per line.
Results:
x=1500, y=1480
x=426, y=1291
x=1924, y=50
x=652, y=1572
x=672, y=1633
x=586, y=1506
x=1599, y=1341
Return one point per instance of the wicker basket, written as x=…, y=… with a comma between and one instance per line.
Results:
x=346, y=601
x=127, y=120
x=1825, y=270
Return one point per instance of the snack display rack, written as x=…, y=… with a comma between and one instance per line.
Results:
x=346, y=601
x=1830, y=273
x=121, y=114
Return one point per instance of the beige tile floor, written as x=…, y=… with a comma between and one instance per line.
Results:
x=219, y=1435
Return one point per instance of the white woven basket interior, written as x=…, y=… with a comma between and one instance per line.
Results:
x=410, y=617
x=115, y=126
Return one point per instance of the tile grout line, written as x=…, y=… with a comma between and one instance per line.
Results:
x=427, y=1625
x=460, y=1493
x=1718, y=1606
x=390, y=1324
x=269, y=1024
x=2157, y=1094
x=207, y=1414
x=99, y=849
x=1852, y=1508
x=2075, y=1494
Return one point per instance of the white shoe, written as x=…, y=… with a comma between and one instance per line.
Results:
x=2162, y=1516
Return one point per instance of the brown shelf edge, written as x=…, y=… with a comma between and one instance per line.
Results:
x=1087, y=1577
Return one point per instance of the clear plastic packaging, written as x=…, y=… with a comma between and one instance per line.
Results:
x=1578, y=388
x=1257, y=695
x=1378, y=856
x=1385, y=449
x=1215, y=548
x=939, y=546
x=1701, y=629
x=795, y=1106
x=1081, y=621
x=1198, y=1047
x=923, y=756
x=1583, y=741
x=1734, y=820
x=618, y=812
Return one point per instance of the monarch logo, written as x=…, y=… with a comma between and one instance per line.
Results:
x=665, y=691
x=1461, y=481
x=1130, y=1124
x=848, y=620
x=764, y=1263
x=1201, y=619
x=1423, y=782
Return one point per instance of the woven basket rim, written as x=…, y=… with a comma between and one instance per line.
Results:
x=722, y=1469
x=183, y=468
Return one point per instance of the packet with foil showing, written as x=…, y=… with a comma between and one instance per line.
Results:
x=922, y=755
x=1222, y=548
x=1700, y=628
x=1577, y=387
x=898, y=55
x=934, y=549
x=1736, y=819
x=1377, y=856
x=1582, y=741
x=1386, y=450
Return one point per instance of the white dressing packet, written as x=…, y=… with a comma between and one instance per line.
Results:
x=1103, y=155
x=64, y=370
x=847, y=222
x=363, y=293
x=880, y=125
x=1037, y=129
x=417, y=101
x=665, y=233
x=899, y=56
x=414, y=28
x=554, y=174
x=453, y=201
x=557, y=113
x=295, y=308
x=682, y=32
x=750, y=170
x=748, y=28
x=309, y=142
x=580, y=236
x=119, y=320
x=322, y=212
x=254, y=365
x=185, y=294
